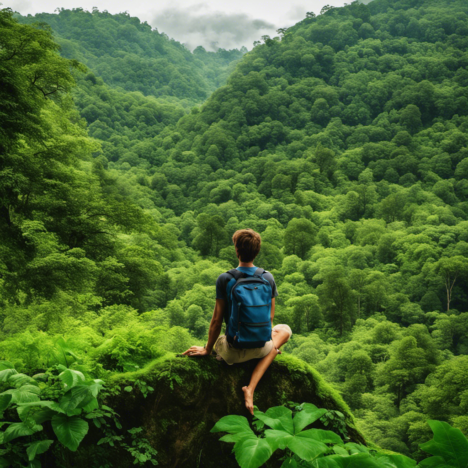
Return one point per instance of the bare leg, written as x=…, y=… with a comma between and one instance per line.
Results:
x=279, y=337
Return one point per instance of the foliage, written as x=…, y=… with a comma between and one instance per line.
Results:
x=343, y=142
x=320, y=448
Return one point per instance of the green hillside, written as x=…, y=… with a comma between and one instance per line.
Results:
x=130, y=54
x=343, y=142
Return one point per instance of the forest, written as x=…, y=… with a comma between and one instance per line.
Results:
x=127, y=162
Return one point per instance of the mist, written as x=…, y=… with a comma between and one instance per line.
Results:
x=198, y=26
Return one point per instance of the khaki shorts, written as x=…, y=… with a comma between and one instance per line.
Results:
x=225, y=351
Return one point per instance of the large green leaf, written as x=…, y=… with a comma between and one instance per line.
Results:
x=19, y=380
x=5, y=374
x=252, y=453
x=77, y=397
x=289, y=463
x=70, y=431
x=434, y=462
x=356, y=448
x=238, y=436
x=360, y=460
x=24, y=394
x=395, y=461
x=278, y=418
x=37, y=448
x=21, y=429
x=309, y=414
x=327, y=437
x=305, y=446
x=5, y=401
x=232, y=424
x=448, y=443
x=71, y=378
x=6, y=365
x=24, y=409
x=44, y=415
x=278, y=439
x=92, y=405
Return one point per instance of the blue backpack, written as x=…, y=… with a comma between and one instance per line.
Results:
x=249, y=304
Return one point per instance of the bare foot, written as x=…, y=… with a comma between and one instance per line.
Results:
x=248, y=395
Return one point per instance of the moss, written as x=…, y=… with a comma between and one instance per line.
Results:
x=192, y=394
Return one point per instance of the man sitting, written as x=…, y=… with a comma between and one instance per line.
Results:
x=228, y=347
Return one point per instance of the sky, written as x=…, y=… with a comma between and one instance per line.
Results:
x=209, y=23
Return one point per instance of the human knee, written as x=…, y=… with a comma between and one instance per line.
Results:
x=284, y=329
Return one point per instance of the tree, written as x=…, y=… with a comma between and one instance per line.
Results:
x=357, y=281
x=406, y=367
x=299, y=237
x=450, y=269
x=211, y=236
x=336, y=298
x=305, y=309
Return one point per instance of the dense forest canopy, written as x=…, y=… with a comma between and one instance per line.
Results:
x=343, y=141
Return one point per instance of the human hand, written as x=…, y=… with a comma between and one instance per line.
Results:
x=196, y=351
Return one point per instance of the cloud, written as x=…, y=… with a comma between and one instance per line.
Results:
x=22, y=6
x=198, y=25
x=296, y=13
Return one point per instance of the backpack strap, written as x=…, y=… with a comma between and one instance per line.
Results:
x=236, y=274
x=259, y=272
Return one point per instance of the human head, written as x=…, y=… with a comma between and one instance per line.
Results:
x=247, y=243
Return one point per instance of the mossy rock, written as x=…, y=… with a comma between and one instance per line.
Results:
x=191, y=394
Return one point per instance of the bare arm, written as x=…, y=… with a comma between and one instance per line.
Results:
x=272, y=313
x=213, y=333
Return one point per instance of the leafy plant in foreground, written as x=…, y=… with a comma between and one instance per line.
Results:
x=319, y=448
x=57, y=404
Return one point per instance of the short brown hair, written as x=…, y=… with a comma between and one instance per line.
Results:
x=248, y=243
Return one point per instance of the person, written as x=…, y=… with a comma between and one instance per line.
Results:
x=247, y=244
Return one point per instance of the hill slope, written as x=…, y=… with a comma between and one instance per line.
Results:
x=128, y=53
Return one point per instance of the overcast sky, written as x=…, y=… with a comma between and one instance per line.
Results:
x=210, y=23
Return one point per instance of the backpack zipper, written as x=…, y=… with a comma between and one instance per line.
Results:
x=258, y=324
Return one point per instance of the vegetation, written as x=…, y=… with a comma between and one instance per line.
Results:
x=342, y=141
x=321, y=448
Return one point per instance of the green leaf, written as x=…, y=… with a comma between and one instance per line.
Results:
x=278, y=418
x=4, y=463
x=71, y=378
x=395, y=461
x=70, y=431
x=44, y=415
x=339, y=450
x=238, y=436
x=24, y=394
x=24, y=409
x=252, y=453
x=37, y=448
x=356, y=448
x=6, y=373
x=278, y=439
x=6, y=365
x=309, y=414
x=92, y=405
x=434, y=462
x=289, y=463
x=19, y=380
x=21, y=429
x=128, y=388
x=305, y=446
x=5, y=401
x=232, y=424
x=448, y=443
x=321, y=435
x=77, y=397
x=360, y=460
